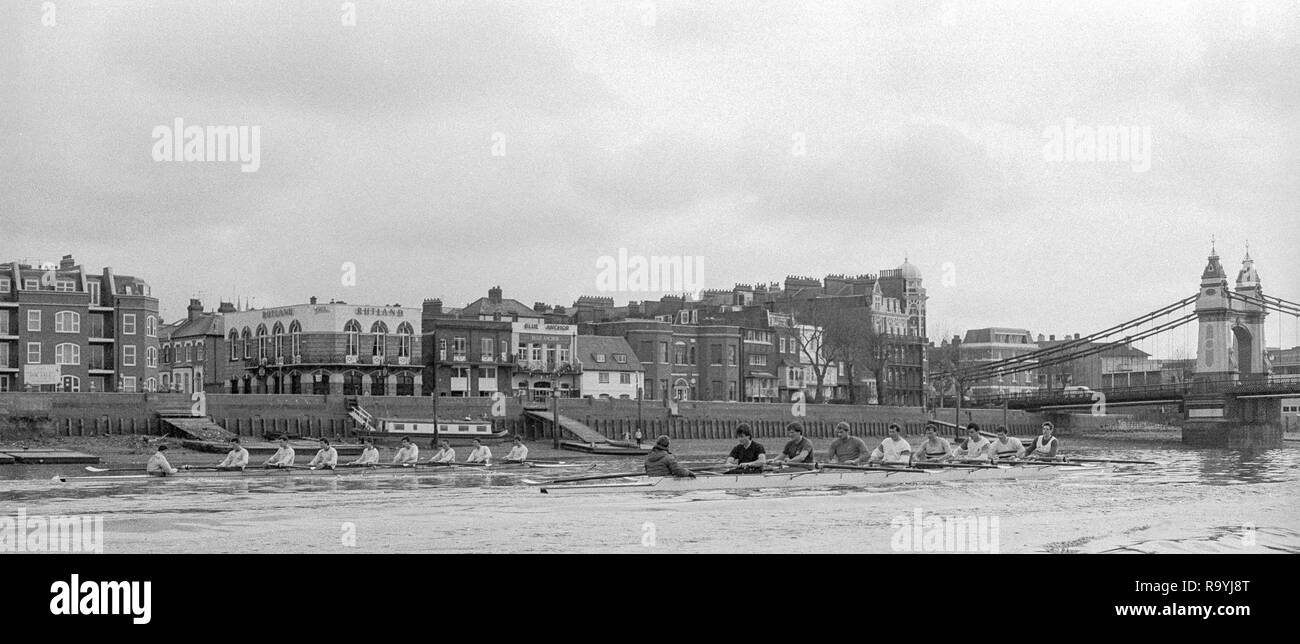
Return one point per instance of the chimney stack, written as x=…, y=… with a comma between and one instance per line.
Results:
x=226, y=307
x=67, y=263
x=494, y=295
x=194, y=310
x=433, y=306
x=312, y=300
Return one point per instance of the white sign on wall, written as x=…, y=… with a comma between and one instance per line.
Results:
x=41, y=374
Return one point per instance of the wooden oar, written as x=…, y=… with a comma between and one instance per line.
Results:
x=113, y=469
x=1066, y=463
x=1109, y=460
x=865, y=468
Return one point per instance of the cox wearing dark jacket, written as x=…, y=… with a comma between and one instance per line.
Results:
x=661, y=462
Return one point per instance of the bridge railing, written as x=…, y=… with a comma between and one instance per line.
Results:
x=1144, y=392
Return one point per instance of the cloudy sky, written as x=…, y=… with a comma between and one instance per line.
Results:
x=444, y=147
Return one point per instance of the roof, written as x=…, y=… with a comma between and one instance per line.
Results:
x=590, y=345
x=506, y=307
x=206, y=324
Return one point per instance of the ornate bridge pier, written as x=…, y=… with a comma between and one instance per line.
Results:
x=1230, y=353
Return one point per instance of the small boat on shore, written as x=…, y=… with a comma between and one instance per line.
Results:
x=865, y=477
x=457, y=432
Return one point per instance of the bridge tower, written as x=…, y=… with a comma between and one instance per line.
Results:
x=1230, y=338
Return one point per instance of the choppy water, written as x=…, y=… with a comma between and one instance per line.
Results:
x=1197, y=501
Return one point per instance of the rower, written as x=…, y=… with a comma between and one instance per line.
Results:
x=935, y=448
x=748, y=455
x=976, y=447
x=236, y=458
x=445, y=453
x=1045, y=446
x=893, y=450
x=798, y=451
x=158, y=465
x=369, y=454
x=661, y=462
x=1006, y=448
x=481, y=453
x=327, y=458
x=408, y=453
x=846, y=448
x=518, y=453
x=283, y=457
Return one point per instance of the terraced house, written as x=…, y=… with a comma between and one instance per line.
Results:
x=65, y=329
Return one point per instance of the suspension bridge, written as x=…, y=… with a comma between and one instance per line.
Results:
x=1228, y=398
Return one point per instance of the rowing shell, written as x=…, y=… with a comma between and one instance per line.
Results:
x=820, y=478
x=385, y=471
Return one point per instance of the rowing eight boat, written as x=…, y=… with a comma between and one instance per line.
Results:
x=817, y=478
x=386, y=471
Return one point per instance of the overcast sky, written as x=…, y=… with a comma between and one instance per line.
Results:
x=445, y=147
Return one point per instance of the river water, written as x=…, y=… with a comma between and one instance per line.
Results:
x=1196, y=501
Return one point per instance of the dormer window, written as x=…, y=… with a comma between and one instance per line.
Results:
x=600, y=357
x=620, y=358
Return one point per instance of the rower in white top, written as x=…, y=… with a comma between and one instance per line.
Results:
x=369, y=454
x=327, y=458
x=481, y=454
x=158, y=465
x=518, y=453
x=407, y=454
x=445, y=453
x=1045, y=446
x=893, y=450
x=236, y=458
x=976, y=447
x=283, y=457
x=1005, y=447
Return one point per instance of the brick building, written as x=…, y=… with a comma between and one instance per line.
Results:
x=334, y=348
x=76, y=330
x=192, y=348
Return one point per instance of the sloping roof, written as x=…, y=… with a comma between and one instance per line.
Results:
x=590, y=345
x=506, y=307
x=206, y=324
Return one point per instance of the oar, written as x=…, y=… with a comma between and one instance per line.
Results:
x=594, y=478
x=1066, y=463
x=113, y=469
x=965, y=465
x=1110, y=460
x=864, y=468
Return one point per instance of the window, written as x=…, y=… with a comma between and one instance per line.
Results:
x=295, y=339
x=663, y=353
x=246, y=339
x=731, y=354
x=128, y=355
x=380, y=332
x=4, y=382
x=234, y=345
x=151, y=326
x=487, y=346
x=4, y=323
x=261, y=341
x=128, y=324
x=33, y=320
x=600, y=358
x=625, y=378
x=604, y=377
x=151, y=356
x=33, y=353
x=715, y=354
x=67, y=353
x=31, y=285
x=564, y=353
x=128, y=384
x=620, y=358
x=679, y=353
x=4, y=286
x=731, y=390
x=404, y=333
x=782, y=342
x=93, y=287
x=4, y=354
x=488, y=373
x=277, y=340
x=758, y=360
x=150, y=385
x=67, y=322
x=458, y=345
x=188, y=351
x=537, y=352
x=353, y=331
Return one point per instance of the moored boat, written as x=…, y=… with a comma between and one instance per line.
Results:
x=820, y=478
x=457, y=432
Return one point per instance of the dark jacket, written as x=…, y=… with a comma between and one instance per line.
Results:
x=661, y=463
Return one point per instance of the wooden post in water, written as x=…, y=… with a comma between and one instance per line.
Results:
x=555, y=418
